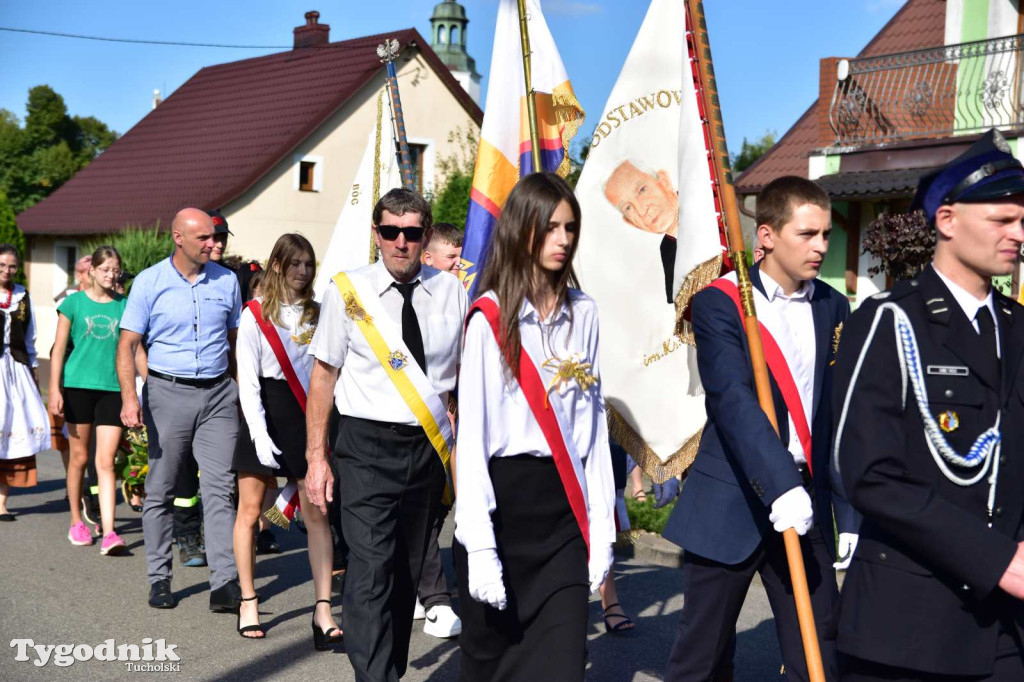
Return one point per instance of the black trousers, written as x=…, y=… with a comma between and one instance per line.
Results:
x=713, y=594
x=188, y=518
x=433, y=586
x=391, y=481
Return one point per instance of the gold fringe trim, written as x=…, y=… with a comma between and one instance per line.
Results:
x=698, y=278
x=645, y=457
x=627, y=538
x=276, y=517
x=568, y=111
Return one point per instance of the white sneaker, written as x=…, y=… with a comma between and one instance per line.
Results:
x=419, y=613
x=442, y=622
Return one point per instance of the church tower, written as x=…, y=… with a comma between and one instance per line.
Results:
x=448, y=40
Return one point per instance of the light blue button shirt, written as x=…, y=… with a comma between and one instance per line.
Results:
x=185, y=323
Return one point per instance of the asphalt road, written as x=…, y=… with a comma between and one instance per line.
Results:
x=56, y=593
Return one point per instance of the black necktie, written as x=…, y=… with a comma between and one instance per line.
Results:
x=987, y=330
x=411, y=325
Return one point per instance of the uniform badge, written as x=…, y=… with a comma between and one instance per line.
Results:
x=569, y=371
x=397, y=360
x=949, y=421
x=355, y=311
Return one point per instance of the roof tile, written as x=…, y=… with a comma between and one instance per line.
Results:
x=216, y=135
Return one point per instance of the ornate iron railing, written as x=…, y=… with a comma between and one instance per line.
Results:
x=934, y=92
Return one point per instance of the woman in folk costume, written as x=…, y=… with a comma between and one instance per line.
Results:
x=535, y=486
x=24, y=426
x=273, y=377
x=89, y=397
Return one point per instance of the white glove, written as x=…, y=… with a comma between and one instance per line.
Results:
x=847, y=546
x=485, y=582
x=793, y=509
x=599, y=565
x=265, y=451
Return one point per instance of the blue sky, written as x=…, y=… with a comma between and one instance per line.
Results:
x=766, y=51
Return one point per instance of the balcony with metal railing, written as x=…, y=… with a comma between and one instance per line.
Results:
x=931, y=93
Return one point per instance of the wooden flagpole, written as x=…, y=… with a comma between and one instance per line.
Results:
x=531, y=102
x=704, y=76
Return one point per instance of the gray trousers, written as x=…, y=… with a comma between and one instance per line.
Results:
x=184, y=421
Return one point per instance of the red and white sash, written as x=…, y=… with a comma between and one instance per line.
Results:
x=779, y=368
x=287, y=501
x=543, y=410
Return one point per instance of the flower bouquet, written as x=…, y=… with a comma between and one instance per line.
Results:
x=132, y=462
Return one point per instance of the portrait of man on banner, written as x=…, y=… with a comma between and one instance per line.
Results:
x=649, y=202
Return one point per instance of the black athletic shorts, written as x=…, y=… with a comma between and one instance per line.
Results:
x=91, y=406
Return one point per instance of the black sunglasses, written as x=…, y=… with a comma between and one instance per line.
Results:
x=390, y=233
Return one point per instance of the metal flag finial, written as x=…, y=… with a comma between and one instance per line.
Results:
x=388, y=50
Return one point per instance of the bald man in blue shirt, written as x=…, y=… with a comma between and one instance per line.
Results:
x=187, y=309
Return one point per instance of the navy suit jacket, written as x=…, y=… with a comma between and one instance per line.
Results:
x=741, y=466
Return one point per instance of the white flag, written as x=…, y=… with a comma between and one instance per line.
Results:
x=349, y=247
x=650, y=240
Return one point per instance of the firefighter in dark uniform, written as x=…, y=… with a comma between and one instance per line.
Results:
x=929, y=420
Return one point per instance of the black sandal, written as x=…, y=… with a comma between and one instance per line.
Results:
x=322, y=641
x=249, y=628
x=622, y=626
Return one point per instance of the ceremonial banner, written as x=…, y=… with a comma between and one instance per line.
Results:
x=505, y=150
x=650, y=241
x=350, y=244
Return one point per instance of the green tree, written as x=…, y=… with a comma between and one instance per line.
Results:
x=752, y=151
x=10, y=234
x=451, y=200
x=51, y=147
x=47, y=122
x=576, y=162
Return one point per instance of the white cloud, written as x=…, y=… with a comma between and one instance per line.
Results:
x=571, y=7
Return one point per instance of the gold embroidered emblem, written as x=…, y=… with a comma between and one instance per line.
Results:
x=836, y=333
x=568, y=371
x=949, y=421
x=397, y=360
x=354, y=310
x=306, y=337
x=22, y=312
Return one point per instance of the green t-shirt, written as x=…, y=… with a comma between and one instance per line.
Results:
x=95, y=328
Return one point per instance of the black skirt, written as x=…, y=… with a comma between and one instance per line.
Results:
x=542, y=632
x=286, y=425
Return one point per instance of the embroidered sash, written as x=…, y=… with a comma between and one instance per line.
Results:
x=367, y=313
x=780, y=370
x=544, y=411
x=274, y=339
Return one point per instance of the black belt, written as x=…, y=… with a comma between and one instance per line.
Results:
x=400, y=429
x=194, y=383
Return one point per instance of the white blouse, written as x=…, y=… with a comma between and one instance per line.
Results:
x=496, y=421
x=255, y=358
x=30, y=331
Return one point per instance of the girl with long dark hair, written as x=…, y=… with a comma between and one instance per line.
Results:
x=89, y=397
x=273, y=378
x=533, y=470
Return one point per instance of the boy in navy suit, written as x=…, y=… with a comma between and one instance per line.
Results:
x=748, y=485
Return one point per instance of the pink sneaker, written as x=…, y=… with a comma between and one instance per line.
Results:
x=80, y=535
x=112, y=544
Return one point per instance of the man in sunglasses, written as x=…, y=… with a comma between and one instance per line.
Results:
x=386, y=349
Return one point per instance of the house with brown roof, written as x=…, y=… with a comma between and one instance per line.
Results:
x=274, y=142
x=937, y=75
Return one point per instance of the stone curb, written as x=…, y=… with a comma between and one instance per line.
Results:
x=650, y=548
